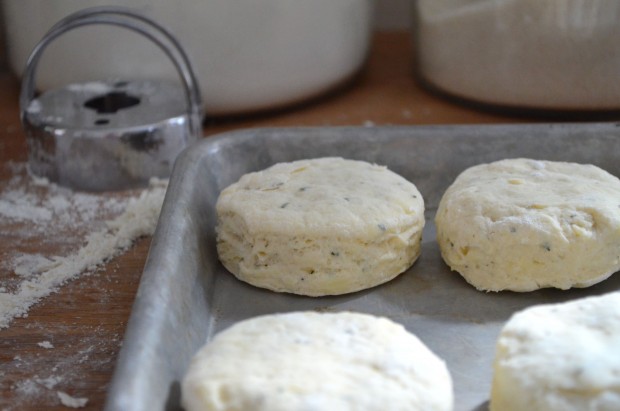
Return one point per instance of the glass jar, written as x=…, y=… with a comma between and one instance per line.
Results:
x=539, y=54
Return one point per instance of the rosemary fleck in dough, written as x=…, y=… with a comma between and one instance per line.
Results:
x=319, y=227
x=309, y=361
x=560, y=357
x=522, y=225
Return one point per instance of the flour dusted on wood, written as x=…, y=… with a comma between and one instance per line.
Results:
x=18, y=205
x=46, y=344
x=71, y=402
x=32, y=209
x=27, y=265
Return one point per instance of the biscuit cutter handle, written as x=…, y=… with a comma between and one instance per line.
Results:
x=127, y=18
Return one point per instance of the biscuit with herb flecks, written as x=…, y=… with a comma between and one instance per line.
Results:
x=523, y=224
x=304, y=361
x=318, y=227
x=560, y=357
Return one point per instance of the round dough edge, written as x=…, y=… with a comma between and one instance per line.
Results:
x=323, y=226
x=523, y=224
x=316, y=360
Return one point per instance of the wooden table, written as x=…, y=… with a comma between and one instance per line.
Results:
x=84, y=322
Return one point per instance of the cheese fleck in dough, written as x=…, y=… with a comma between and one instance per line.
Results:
x=522, y=224
x=319, y=227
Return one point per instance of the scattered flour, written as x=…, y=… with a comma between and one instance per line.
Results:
x=27, y=265
x=50, y=235
x=49, y=382
x=43, y=376
x=70, y=401
x=27, y=388
x=45, y=344
x=19, y=206
x=34, y=208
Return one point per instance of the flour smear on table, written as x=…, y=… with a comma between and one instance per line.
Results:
x=43, y=208
x=74, y=234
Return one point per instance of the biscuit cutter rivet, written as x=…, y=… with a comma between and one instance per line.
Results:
x=112, y=134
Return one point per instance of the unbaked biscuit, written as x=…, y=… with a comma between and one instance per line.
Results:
x=309, y=361
x=522, y=225
x=560, y=357
x=319, y=227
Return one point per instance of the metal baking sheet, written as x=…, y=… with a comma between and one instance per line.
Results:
x=186, y=296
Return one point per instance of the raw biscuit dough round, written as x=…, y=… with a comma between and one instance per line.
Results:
x=523, y=224
x=560, y=357
x=310, y=361
x=319, y=227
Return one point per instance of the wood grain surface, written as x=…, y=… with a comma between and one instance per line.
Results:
x=85, y=320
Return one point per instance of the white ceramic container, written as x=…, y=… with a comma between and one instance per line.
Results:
x=248, y=54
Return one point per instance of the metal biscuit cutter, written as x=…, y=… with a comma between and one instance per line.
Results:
x=113, y=134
